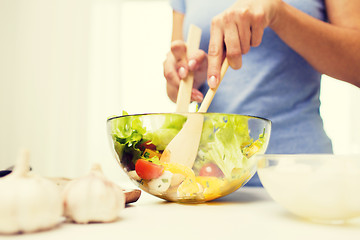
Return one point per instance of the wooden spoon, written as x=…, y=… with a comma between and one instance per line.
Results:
x=174, y=148
x=184, y=146
x=186, y=85
x=211, y=92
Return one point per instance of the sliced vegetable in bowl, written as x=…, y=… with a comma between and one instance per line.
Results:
x=224, y=160
x=148, y=170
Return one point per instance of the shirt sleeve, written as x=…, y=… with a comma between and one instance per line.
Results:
x=178, y=5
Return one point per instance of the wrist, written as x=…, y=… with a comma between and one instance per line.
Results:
x=278, y=17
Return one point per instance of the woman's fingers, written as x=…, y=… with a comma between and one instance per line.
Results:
x=243, y=25
x=178, y=49
x=197, y=60
x=170, y=72
x=238, y=28
x=177, y=65
x=258, y=25
x=232, y=43
x=172, y=92
x=198, y=64
x=215, y=51
x=196, y=95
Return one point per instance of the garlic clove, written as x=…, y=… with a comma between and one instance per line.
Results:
x=8, y=216
x=43, y=211
x=28, y=202
x=93, y=198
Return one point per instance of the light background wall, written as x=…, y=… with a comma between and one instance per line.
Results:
x=67, y=65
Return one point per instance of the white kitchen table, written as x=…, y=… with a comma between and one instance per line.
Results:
x=248, y=213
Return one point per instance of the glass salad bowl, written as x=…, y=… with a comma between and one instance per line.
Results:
x=223, y=159
x=322, y=188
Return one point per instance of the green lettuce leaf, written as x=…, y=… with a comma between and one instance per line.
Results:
x=128, y=133
x=222, y=141
x=128, y=130
x=162, y=136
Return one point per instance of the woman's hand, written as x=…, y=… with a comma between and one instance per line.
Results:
x=177, y=65
x=235, y=30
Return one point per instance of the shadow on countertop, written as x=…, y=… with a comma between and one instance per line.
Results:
x=241, y=196
x=244, y=195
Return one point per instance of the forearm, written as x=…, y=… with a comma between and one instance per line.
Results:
x=330, y=49
x=178, y=20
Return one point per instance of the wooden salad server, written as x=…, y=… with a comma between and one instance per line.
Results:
x=186, y=85
x=211, y=92
x=184, y=146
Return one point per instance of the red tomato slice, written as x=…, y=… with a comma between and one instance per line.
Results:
x=211, y=170
x=148, y=170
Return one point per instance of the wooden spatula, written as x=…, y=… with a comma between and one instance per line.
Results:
x=211, y=92
x=184, y=146
x=174, y=151
x=186, y=85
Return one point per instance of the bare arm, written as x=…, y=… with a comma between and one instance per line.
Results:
x=178, y=20
x=332, y=48
x=170, y=69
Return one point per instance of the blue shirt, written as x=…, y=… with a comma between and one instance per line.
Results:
x=274, y=82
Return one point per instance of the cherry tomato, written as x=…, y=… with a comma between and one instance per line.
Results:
x=211, y=170
x=147, y=145
x=148, y=170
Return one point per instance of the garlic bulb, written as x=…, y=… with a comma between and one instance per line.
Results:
x=28, y=202
x=93, y=198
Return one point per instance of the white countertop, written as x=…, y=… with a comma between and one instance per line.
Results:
x=248, y=213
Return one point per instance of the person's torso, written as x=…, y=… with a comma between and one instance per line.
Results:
x=274, y=82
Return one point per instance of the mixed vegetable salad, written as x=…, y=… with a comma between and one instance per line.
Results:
x=222, y=164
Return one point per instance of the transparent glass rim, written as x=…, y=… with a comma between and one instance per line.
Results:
x=308, y=156
x=190, y=113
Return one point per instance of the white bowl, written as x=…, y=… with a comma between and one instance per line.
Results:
x=319, y=187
